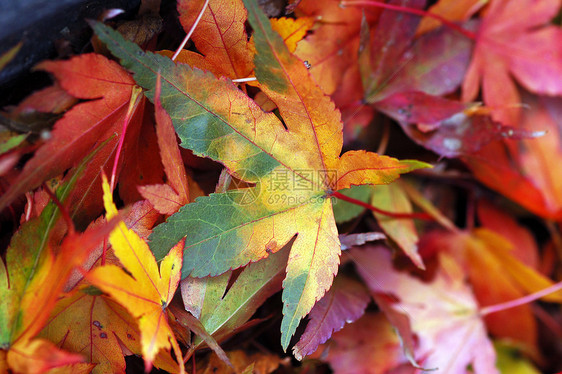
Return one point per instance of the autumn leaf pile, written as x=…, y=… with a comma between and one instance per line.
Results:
x=334, y=186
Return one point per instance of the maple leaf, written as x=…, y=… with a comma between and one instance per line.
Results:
x=40, y=356
x=452, y=10
x=433, y=63
x=30, y=261
x=403, y=232
x=526, y=171
x=443, y=313
x=483, y=251
x=403, y=76
x=93, y=325
x=515, y=40
x=331, y=48
x=223, y=311
x=369, y=346
x=30, y=284
x=167, y=198
x=257, y=363
x=147, y=295
x=108, y=89
x=218, y=121
x=220, y=36
x=345, y=302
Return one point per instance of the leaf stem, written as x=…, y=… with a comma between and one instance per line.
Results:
x=184, y=41
x=415, y=11
x=351, y=200
x=242, y=80
x=520, y=301
x=62, y=208
x=135, y=96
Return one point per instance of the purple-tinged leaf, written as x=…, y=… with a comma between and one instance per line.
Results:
x=442, y=313
x=344, y=303
x=385, y=54
x=435, y=64
x=463, y=134
x=395, y=62
x=418, y=107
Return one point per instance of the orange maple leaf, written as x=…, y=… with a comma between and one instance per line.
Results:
x=220, y=36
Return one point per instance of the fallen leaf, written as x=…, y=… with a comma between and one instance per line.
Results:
x=403, y=76
x=223, y=314
x=512, y=40
x=345, y=302
x=40, y=356
x=292, y=30
x=262, y=363
x=93, y=325
x=495, y=219
x=331, y=48
x=368, y=345
x=462, y=134
x=434, y=63
x=485, y=252
x=31, y=264
x=443, y=314
x=220, y=36
x=28, y=302
x=256, y=147
x=452, y=10
x=392, y=198
x=147, y=295
x=526, y=171
x=108, y=89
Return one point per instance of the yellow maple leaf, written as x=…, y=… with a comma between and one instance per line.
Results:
x=145, y=293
